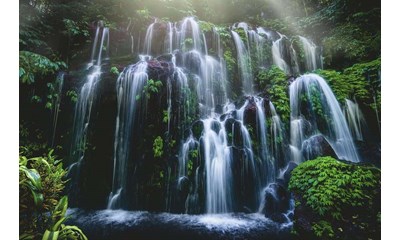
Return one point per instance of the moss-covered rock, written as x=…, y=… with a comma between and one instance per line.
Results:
x=274, y=83
x=336, y=200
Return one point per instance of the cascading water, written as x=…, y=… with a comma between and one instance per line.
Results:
x=277, y=137
x=277, y=54
x=218, y=167
x=130, y=100
x=355, y=119
x=237, y=151
x=314, y=109
x=310, y=54
x=87, y=95
x=244, y=64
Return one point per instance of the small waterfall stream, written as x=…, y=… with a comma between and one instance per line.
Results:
x=87, y=95
x=323, y=115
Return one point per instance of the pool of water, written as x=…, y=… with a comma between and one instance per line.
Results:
x=121, y=224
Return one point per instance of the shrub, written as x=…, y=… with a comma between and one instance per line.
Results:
x=274, y=82
x=41, y=182
x=336, y=199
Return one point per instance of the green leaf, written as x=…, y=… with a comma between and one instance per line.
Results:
x=50, y=235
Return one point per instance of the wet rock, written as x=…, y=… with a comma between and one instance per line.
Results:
x=288, y=172
x=277, y=202
x=317, y=146
x=197, y=129
x=159, y=70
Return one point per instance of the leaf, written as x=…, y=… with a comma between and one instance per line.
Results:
x=50, y=235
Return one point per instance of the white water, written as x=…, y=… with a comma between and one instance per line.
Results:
x=203, y=77
x=320, y=100
x=355, y=119
x=218, y=168
x=244, y=64
x=130, y=85
x=310, y=52
x=87, y=95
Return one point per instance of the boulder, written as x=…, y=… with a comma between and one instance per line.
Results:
x=276, y=202
x=317, y=146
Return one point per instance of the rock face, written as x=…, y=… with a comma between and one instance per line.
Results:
x=277, y=202
x=317, y=146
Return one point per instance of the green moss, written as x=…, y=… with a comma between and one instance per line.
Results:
x=360, y=81
x=274, y=83
x=230, y=61
x=206, y=26
x=338, y=194
x=158, y=146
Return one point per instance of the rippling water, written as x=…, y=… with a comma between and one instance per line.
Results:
x=121, y=224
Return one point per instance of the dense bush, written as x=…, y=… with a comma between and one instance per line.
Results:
x=41, y=182
x=336, y=200
x=274, y=83
x=360, y=81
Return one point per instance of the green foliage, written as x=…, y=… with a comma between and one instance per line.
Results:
x=74, y=29
x=206, y=26
x=32, y=65
x=152, y=87
x=40, y=186
x=323, y=229
x=158, y=146
x=274, y=82
x=114, y=70
x=57, y=229
x=360, y=81
x=230, y=61
x=72, y=95
x=165, y=116
x=338, y=194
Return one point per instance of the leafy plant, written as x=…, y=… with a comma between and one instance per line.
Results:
x=72, y=95
x=57, y=229
x=337, y=194
x=32, y=65
x=152, y=87
x=114, y=70
x=158, y=146
x=274, y=82
x=41, y=183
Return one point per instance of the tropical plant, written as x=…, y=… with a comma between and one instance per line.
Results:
x=40, y=186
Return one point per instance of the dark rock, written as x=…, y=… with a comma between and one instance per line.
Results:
x=288, y=172
x=317, y=146
x=237, y=134
x=197, y=129
x=277, y=202
x=159, y=70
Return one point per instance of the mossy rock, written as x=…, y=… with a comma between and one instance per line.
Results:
x=336, y=200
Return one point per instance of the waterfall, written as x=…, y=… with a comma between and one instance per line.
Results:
x=225, y=161
x=277, y=54
x=323, y=115
x=355, y=119
x=130, y=97
x=244, y=64
x=310, y=54
x=277, y=137
x=87, y=95
x=218, y=167
x=148, y=39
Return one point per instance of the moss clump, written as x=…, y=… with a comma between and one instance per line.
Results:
x=274, y=83
x=335, y=200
